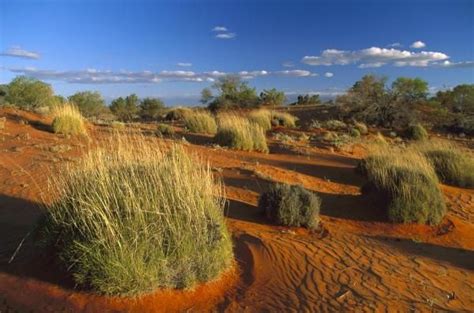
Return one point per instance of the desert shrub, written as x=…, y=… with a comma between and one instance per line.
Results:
x=89, y=103
x=452, y=165
x=164, y=130
x=133, y=216
x=177, y=114
x=407, y=182
x=361, y=127
x=117, y=125
x=68, y=120
x=291, y=205
x=261, y=117
x=315, y=124
x=416, y=132
x=200, y=122
x=239, y=133
x=283, y=119
x=335, y=125
x=3, y=121
x=354, y=132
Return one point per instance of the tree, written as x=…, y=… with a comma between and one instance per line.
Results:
x=90, y=103
x=459, y=99
x=410, y=89
x=151, y=107
x=125, y=108
x=233, y=92
x=272, y=97
x=307, y=100
x=206, y=95
x=28, y=93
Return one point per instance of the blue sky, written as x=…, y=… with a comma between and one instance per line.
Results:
x=173, y=49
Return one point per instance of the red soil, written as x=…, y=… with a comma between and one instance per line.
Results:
x=356, y=262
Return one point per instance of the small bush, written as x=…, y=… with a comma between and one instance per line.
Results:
x=131, y=217
x=416, y=132
x=452, y=165
x=261, y=117
x=291, y=206
x=117, y=125
x=239, y=133
x=177, y=114
x=165, y=130
x=361, y=127
x=200, y=122
x=406, y=180
x=354, y=132
x=68, y=120
x=315, y=124
x=283, y=119
x=335, y=125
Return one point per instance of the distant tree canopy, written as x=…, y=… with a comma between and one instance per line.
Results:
x=150, y=108
x=272, y=97
x=206, y=95
x=29, y=93
x=307, y=100
x=410, y=89
x=460, y=99
x=125, y=108
x=233, y=92
x=3, y=93
x=90, y=103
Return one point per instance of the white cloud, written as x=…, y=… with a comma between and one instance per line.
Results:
x=288, y=64
x=375, y=57
x=219, y=29
x=94, y=76
x=225, y=35
x=418, y=45
x=394, y=45
x=184, y=64
x=449, y=64
x=328, y=74
x=18, y=52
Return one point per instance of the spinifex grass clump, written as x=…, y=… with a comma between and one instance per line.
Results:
x=283, y=119
x=452, y=165
x=408, y=184
x=131, y=217
x=67, y=120
x=200, y=122
x=239, y=133
x=291, y=205
x=261, y=117
x=416, y=132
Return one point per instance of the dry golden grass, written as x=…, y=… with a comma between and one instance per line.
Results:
x=68, y=120
x=239, y=133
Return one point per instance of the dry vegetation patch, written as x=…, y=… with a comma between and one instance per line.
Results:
x=239, y=133
x=67, y=120
x=201, y=122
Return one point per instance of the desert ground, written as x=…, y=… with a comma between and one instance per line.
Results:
x=354, y=261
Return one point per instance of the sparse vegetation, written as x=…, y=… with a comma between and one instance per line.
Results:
x=89, y=103
x=335, y=125
x=177, y=114
x=117, y=125
x=239, y=133
x=262, y=117
x=131, y=217
x=407, y=181
x=67, y=120
x=2, y=122
x=361, y=127
x=165, y=130
x=291, y=205
x=416, y=132
x=201, y=122
x=283, y=119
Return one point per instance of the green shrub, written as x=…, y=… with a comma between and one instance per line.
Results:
x=165, y=130
x=262, y=117
x=131, y=217
x=239, y=133
x=335, y=125
x=452, y=165
x=407, y=182
x=177, y=114
x=291, y=205
x=283, y=119
x=354, y=132
x=200, y=122
x=361, y=127
x=416, y=132
x=68, y=120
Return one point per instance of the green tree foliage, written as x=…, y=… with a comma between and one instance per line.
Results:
x=307, y=100
x=3, y=93
x=90, y=103
x=459, y=99
x=125, y=108
x=150, y=108
x=410, y=89
x=272, y=97
x=233, y=92
x=29, y=93
x=206, y=95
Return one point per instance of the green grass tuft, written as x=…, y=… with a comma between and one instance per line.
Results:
x=67, y=120
x=201, y=122
x=239, y=133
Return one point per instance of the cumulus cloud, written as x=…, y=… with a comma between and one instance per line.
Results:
x=328, y=74
x=18, y=52
x=94, y=76
x=375, y=57
x=184, y=64
x=418, y=45
x=225, y=35
x=219, y=29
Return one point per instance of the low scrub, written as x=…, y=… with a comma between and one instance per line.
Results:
x=3, y=121
x=239, y=133
x=291, y=206
x=335, y=125
x=68, y=120
x=361, y=127
x=283, y=119
x=416, y=132
x=117, y=125
x=261, y=117
x=407, y=182
x=133, y=216
x=164, y=130
x=201, y=122
x=452, y=165
x=177, y=114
